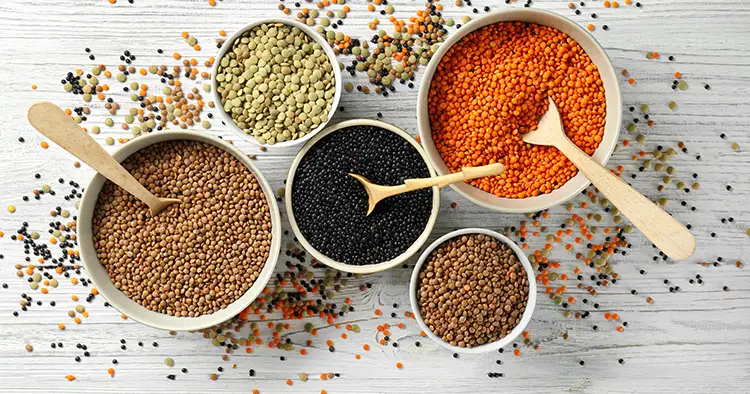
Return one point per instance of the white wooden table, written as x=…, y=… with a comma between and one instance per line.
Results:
x=694, y=340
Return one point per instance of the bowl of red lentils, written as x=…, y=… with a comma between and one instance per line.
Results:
x=488, y=84
x=473, y=291
x=276, y=82
x=199, y=262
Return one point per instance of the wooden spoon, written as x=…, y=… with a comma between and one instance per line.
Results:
x=658, y=226
x=376, y=193
x=50, y=120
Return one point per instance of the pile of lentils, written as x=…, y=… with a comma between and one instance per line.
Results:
x=472, y=290
x=193, y=258
x=330, y=207
x=276, y=83
x=493, y=86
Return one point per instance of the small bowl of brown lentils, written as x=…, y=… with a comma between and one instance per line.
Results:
x=276, y=82
x=327, y=208
x=473, y=291
x=195, y=264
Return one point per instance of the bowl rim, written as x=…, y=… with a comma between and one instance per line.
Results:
x=488, y=347
x=606, y=148
x=371, y=268
x=132, y=309
x=229, y=122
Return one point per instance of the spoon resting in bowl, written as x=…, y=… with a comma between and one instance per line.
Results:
x=53, y=123
x=658, y=226
x=376, y=193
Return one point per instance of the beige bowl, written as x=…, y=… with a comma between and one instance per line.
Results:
x=611, y=93
x=130, y=308
x=228, y=45
x=371, y=268
x=487, y=347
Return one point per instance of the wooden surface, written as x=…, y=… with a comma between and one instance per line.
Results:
x=694, y=340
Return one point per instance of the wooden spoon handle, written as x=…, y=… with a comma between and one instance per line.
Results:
x=662, y=229
x=444, y=180
x=54, y=124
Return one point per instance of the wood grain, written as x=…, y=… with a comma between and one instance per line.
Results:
x=693, y=340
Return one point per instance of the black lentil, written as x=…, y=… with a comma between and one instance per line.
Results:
x=330, y=206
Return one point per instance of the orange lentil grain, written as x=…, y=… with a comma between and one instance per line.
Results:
x=399, y=365
x=71, y=377
x=517, y=352
x=477, y=117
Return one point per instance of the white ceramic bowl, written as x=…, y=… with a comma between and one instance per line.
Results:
x=611, y=94
x=228, y=45
x=487, y=347
x=371, y=268
x=130, y=308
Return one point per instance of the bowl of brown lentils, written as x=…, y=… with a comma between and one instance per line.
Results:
x=276, y=82
x=197, y=263
x=473, y=291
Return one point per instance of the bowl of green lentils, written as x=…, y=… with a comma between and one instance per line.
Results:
x=276, y=82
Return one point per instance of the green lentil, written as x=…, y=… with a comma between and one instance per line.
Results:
x=169, y=362
x=80, y=308
x=644, y=108
x=735, y=146
x=206, y=124
x=663, y=201
x=121, y=77
x=109, y=141
x=109, y=122
x=682, y=85
x=680, y=184
x=277, y=83
x=670, y=170
x=672, y=105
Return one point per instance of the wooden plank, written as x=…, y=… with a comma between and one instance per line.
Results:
x=693, y=340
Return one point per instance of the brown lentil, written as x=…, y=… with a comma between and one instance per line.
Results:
x=193, y=258
x=472, y=290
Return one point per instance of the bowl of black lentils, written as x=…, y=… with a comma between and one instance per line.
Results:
x=276, y=82
x=473, y=291
x=327, y=208
x=197, y=263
